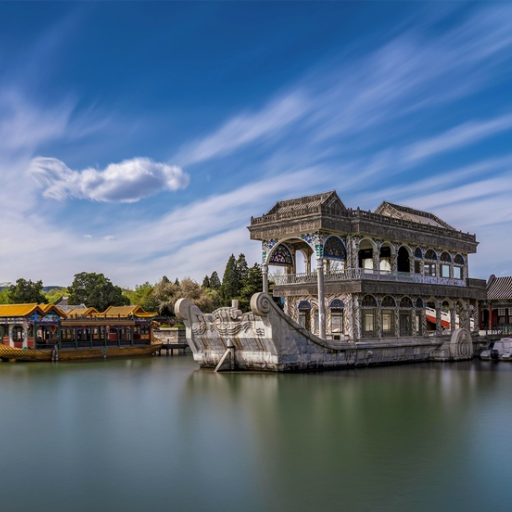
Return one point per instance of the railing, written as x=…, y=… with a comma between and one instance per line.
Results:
x=352, y=274
x=299, y=211
x=498, y=329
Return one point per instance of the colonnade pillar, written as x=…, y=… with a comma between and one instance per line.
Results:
x=439, y=327
x=264, y=271
x=321, y=298
x=453, y=318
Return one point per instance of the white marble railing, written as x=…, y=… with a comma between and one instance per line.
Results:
x=351, y=274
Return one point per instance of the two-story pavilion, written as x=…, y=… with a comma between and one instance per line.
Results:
x=393, y=273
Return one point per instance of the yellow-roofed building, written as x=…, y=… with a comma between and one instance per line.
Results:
x=44, y=326
x=26, y=325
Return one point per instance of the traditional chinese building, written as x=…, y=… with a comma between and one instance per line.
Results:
x=26, y=325
x=43, y=326
x=496, y=310
x=352, y=275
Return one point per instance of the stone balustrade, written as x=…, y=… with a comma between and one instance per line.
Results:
x=352, y=274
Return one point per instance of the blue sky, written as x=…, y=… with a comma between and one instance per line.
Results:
x=137, y=139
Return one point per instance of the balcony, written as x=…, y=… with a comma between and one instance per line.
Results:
x=353, y=274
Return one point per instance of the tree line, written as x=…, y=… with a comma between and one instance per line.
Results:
x=239, y=282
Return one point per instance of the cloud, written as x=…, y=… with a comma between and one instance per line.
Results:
x=457, y=137
x=124, y=182
x=246, y=128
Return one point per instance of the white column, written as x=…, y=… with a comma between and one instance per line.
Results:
x=321, y=299
x=264, y=271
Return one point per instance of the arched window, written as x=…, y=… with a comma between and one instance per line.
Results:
x=430, y=266
x=369, y=302
x=403, y=262
x=281, y=256
x=369, y=305
x=365, y=255
x=459, y=260
x=418, y=253
x=446, y=257
x=405, y=317
x=445, y=267
x=388, y=316
x=406, y=302
x=334, y=249
x=419, y=302
x=385, y=258
x=305, y=314
x=388, y=302
x=458, y=271
x=336, y=306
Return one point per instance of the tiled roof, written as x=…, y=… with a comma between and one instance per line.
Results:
x=22, y=310
x=82, y=311
x=10, y=310
x=407, y=213
x=52, y=308
x=499, y=288
x=301, y=203
x=126, y=311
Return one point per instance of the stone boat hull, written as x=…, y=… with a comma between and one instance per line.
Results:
x=266, y=339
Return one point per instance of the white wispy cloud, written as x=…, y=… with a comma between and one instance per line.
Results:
x=458, y=137
x=125, y=182
x=246, y=128
x=351, y=104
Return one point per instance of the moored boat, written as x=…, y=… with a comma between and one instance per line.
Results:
x=18, y=354
x=32, y=332
x=500, y=350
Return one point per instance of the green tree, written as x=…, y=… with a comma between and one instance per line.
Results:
x=4, y=296
x=140, y=295
x=215, y=283
x=251, y=283
x=97, y=291
x=206, y=282
x=165, y=294
x=55, y=294
x=26, y=292
x=230, y=282
x=242, y=269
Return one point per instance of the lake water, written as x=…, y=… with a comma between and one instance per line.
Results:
x=158, y=434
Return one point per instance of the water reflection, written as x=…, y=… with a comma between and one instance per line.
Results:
x=155, y=434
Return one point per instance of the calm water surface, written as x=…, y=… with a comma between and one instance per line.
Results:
x=158, y=435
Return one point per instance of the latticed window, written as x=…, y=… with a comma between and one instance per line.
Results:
x=305, y=314
x=334, y=248
x=388, y=322
x=336, y=307
x=430, y=255
x=446, y=257
x=368, y=323
x=430, y=269
x=369, y=302
x=388, y=302
x=281, y=256
x=406, y=302
x=368, y=315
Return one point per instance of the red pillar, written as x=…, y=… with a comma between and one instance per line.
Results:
x=490, y=317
